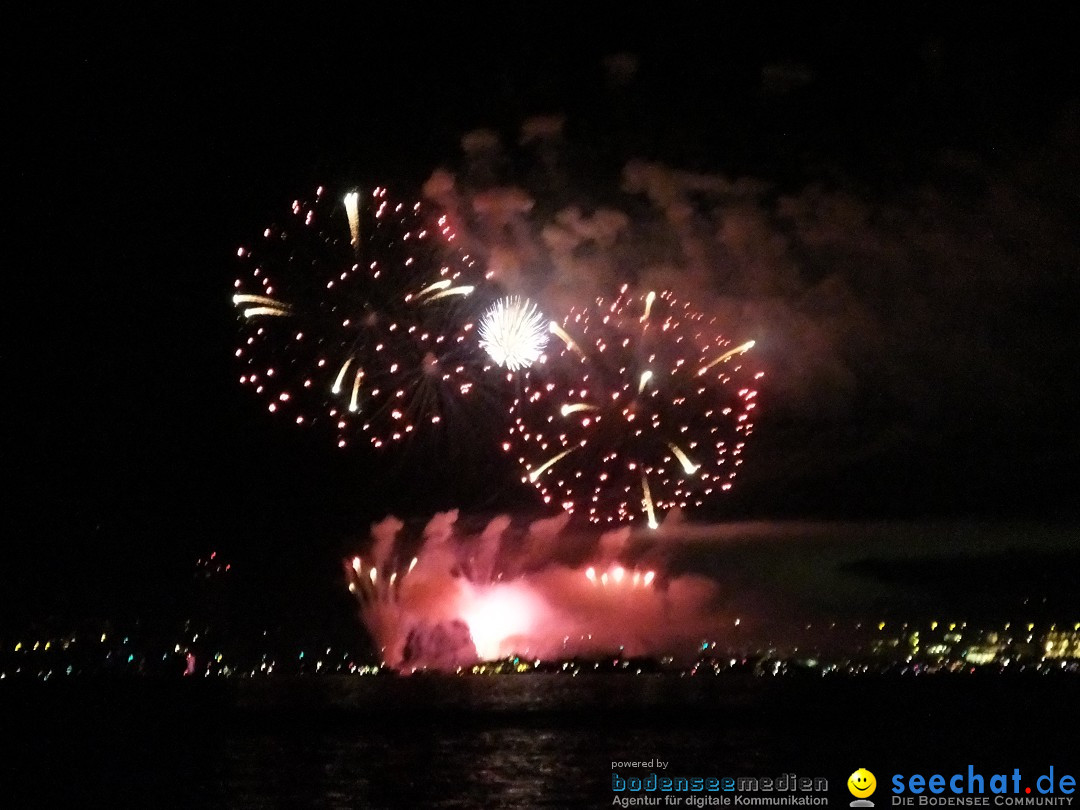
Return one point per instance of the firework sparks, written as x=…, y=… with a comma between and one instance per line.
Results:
x=617, y=575
x=561, y=334
x=354, y=315
x=728, y=355
x=514, y=333
x=534, y=475
x=645, y=408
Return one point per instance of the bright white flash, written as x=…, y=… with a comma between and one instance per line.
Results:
x=513, y=332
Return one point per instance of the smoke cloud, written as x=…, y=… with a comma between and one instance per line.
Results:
x=901, y=305
x=448, y=595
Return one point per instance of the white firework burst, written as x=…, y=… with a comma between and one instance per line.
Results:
x=513, y=332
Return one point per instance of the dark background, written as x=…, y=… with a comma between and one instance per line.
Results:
x=140, y=153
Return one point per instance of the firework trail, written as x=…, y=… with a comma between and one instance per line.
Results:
x=642, y=407
x=358, y=313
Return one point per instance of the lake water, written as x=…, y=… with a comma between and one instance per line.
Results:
x=506, y=742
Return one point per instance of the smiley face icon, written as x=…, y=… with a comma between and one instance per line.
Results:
x=861, y=783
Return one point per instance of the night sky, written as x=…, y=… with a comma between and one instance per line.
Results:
x=923, y=177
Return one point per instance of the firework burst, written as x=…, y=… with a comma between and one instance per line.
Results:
x=356, y=313
x=513, y=332
x=645, y=407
